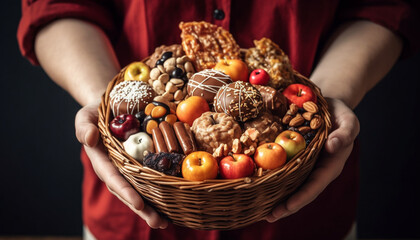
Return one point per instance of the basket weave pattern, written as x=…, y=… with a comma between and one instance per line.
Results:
x=214, y=204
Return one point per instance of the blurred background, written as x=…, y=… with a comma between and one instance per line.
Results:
x=41, y=174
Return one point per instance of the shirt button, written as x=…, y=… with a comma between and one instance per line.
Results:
x=219, y=14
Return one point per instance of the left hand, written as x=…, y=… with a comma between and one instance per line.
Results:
x=336, y=150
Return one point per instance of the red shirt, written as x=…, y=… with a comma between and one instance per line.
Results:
x=299, y=27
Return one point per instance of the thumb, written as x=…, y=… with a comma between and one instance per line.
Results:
x=86, y=121
x=346, y=127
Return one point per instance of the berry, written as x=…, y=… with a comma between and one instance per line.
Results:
x=168, y=163
x=159, y=62
x=177, y=73
x=140, y=116
x=293, y=129
x=164, y=164
x=165, y=56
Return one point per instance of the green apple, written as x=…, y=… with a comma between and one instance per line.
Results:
x=292, y=142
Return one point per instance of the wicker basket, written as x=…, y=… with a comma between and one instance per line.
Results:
x=214, y=204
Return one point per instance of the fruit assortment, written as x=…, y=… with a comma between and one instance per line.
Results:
x=200, y=111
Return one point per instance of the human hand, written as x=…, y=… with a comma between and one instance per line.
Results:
x=336, y=150
x=88, y=134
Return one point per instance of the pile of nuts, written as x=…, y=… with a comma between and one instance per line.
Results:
x=303, y=120
x=170, y=75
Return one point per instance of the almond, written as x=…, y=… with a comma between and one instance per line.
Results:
x=310, y=106
x=297, y=121
x=304, y=130
x=316, y=122
x=308, y=116
x=293, y=109
x=286, y=119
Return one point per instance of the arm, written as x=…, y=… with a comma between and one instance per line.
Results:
x=356, y=58
x=79, y=57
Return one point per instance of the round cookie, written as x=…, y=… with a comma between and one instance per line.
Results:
x=240, y=100
x=274, y=100
x=206, y=83
x=130, y=97
x=214, y=129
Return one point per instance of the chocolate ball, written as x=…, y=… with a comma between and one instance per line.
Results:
x=240, y=100
x=274, y=101
x=206, y=83
x=130, y=97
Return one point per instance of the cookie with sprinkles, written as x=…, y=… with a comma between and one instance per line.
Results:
x=206, y=83
x=240, y=100
x=130, y=97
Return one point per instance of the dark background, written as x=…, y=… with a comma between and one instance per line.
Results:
x=41, y=174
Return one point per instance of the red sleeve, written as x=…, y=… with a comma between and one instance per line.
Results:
x=397, y=15
x=38, y=13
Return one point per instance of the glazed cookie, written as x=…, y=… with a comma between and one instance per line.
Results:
x=130, y=97
x=206, y=84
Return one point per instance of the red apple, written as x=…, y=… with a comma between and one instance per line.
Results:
x=236, y=166
x=259, y=77
x=298, y=94
x=123, y=126
x=292, y=142
x=235, y=68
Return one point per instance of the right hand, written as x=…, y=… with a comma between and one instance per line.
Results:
x=87, y=133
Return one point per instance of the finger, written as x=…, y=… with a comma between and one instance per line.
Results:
x=346, y=125
x=152, y=218
x=86, y=121
x=325, y=172
x=107, y=172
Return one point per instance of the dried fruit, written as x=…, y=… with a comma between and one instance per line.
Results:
x=167, y=163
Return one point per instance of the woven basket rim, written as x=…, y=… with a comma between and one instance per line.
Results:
x=298, y=167
x=321, y=136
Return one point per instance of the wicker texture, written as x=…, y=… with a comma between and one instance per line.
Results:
x=214, y=204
